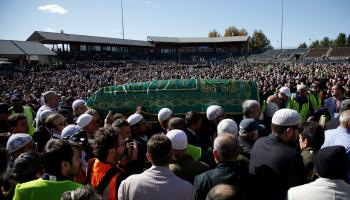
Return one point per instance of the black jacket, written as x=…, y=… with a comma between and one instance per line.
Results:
x=191, y=138
x=226, y=172
x=275, y=168
x=41, y=137
x=333, y=123
x=246, y=146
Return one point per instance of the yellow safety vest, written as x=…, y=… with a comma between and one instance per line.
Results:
x=27, y=111
x=315, y=101
x=303, y=111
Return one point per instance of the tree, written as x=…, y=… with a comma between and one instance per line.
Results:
x=242, y=32
x=302, y=45
x=348, y=41
x=259, y=42
x=233, y=31
x=315, y=44
x=213, y=33
x=341, y=40
x=326, y=42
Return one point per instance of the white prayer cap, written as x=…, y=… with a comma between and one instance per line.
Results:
x=285, y=90
x=70, y=130
x=44, y=114
x=286, y=117
x=84, y=120
x=77, y=103
x=213, y=112
x=134, y=119
x=164, y=114
x=301, y=87
x=17, y=141
x=227, y=126
x=270, y=109
x=178, y=139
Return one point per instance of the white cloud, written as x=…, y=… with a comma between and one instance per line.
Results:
x=53, y=8
x=149, y=2
x=50, y=30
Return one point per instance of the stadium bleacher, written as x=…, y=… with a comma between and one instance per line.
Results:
x=267, y=56
x=316, y=52
x=339, y=53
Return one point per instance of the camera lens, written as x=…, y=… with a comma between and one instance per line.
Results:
x=127, y=140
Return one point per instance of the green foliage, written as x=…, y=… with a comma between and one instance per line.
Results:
x=233, y=31
x=315, y=44
x=259, y=42
x=341, y=40
x=302, y=45
x=213, y=33
x=326, y=42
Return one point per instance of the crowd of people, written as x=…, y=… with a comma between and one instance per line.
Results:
x=292, y=144
x=81, y=79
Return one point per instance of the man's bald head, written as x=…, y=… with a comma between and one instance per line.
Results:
x=225, y=192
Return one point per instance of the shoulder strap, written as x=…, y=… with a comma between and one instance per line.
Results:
x=106, y=179
x=89, y=166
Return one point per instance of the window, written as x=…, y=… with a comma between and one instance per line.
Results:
x=82, y=47
x=97, y=48
x=124, y=49
x=170, y=51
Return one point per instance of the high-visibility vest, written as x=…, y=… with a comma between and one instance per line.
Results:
x=303, y=111
x=27, y=111
x=315, y=101
x=98, y=171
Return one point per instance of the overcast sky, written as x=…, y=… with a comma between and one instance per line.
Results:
x=303, y=19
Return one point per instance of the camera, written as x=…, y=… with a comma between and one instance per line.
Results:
x=83, y=142
x=129, y=143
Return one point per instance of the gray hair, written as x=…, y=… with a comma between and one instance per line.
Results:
x=227, y=146
x=344, y=105
x=249, y=107
x=344, y=117
x=47, y=95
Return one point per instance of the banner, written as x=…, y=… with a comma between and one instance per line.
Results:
x=180, y=95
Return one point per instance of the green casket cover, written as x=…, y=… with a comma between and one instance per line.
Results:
x=180, y=95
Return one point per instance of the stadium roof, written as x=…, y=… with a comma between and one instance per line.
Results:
x=12, y=47
x=198, y=39
x=49, y=37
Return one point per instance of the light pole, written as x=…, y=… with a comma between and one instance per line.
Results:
x=121, y=6
x=282, y=27
x=309, y=42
